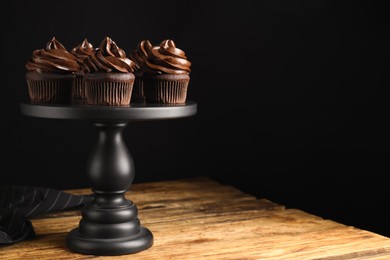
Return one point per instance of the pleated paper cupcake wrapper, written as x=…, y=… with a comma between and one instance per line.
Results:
x=78, y=89
x=138, y=92
x=49, y=91
x=167, y=92
x=108, y=93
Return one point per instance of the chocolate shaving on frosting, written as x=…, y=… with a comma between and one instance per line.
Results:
x=53, y=58
x=109, y=58
x=166, y=58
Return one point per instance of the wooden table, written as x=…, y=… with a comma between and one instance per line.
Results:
x=202, y=219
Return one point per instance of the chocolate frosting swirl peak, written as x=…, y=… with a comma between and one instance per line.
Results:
x=141, y=53
x=167, y=58
x=110, y=58
x=54, y=44
x=82, y=52
x=53, y=58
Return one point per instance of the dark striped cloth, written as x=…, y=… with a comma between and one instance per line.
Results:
x=18, y=204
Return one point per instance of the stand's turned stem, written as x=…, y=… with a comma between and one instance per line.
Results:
x=110, y=225
x=110, y=167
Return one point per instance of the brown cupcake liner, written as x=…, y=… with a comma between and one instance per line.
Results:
x=49, y=91
x=78, y=89
x=138, y=91
x=165, y=91
x=108, y=93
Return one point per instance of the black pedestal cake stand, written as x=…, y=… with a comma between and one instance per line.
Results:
x=110, y=224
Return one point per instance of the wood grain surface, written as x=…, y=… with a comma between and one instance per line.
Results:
x=199, y=218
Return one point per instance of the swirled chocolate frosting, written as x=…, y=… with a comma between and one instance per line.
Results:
x=168, y=59
x=141, y=53
x=53, y=58
x=109, y=58
x=82, y=52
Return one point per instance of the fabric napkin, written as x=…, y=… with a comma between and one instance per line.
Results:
x=19, y=204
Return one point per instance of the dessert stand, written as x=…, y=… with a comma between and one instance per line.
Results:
x=110, y=224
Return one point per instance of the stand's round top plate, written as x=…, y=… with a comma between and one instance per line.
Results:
x=135, y=111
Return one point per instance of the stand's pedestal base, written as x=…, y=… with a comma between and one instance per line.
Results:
x=115, y=246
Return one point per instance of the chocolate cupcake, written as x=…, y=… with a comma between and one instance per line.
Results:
x=50, y=74
x=139, y=56
x=109, y=76
x=166, y=74
x=81, y=52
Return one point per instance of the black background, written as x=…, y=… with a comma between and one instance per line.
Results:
x=291, y=99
